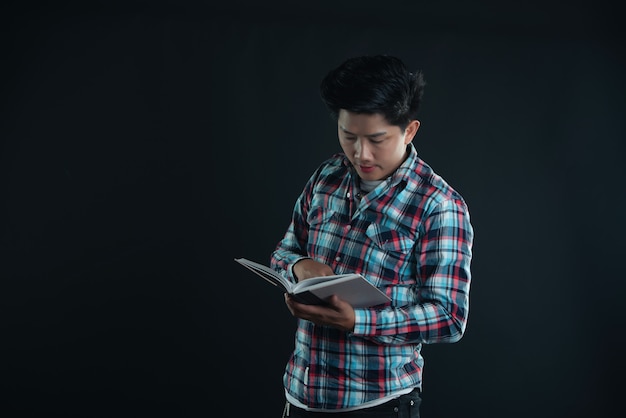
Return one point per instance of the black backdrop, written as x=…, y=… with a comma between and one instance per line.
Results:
x=145, y=146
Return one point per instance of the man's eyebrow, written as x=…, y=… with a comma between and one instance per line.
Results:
x=375, y=135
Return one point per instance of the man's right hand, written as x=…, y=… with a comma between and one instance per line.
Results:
x=307, y=268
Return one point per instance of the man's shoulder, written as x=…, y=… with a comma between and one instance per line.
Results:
x=336, y=163
x=430, y=185
x=336, y=160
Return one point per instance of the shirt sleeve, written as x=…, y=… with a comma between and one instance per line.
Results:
x=292, y=247
x=442, y=299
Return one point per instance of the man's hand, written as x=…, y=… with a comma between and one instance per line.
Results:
x=337, y=313
x=307, y=268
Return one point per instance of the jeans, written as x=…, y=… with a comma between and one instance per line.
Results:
x=406, y=406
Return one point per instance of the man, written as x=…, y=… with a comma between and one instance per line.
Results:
x=379, y=210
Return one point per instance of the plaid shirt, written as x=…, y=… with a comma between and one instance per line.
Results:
x=411, y=236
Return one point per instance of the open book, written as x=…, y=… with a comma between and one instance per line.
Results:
x=353, y=288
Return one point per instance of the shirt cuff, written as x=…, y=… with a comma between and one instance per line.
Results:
x=363, y=320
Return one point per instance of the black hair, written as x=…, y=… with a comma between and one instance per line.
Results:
x=374, y=84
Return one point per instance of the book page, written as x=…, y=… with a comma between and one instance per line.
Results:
x=266, y=273
x=315, y=280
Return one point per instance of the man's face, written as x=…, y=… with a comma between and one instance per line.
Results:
x=374, y=147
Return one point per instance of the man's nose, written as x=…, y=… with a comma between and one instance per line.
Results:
x=361, y=149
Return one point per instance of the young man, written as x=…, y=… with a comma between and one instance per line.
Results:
x=379, y=210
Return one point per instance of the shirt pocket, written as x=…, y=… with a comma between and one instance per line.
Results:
x=319, y=216
x=390, y=240
x=326, y=210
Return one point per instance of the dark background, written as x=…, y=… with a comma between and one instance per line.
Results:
x=145, y=145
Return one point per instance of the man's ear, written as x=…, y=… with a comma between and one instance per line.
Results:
x=411, y=130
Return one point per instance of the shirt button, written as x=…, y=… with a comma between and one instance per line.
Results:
x=395, y=409
x=348, y=227
x=337, y=258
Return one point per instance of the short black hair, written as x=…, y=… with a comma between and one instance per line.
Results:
x=374, y=84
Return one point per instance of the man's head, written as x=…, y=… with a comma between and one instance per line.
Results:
x=375, y=102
